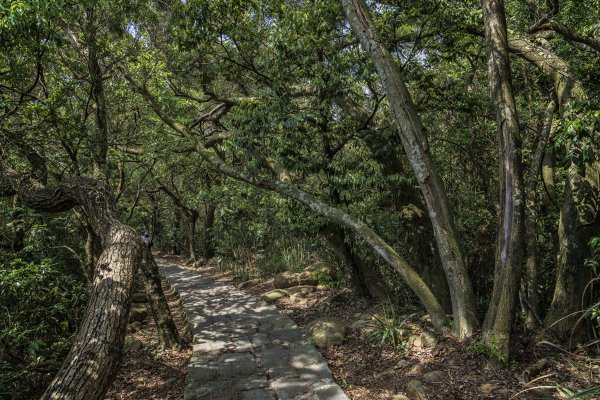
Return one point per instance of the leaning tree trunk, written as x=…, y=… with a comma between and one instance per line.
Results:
x=168, y=336
x=416, y=147
x=510, y=243
x=413, y=280
x=94, y=358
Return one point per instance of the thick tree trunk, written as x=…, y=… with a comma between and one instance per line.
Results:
x=208, y=247
x=168, y=336
x=417, y=149
x=96, y=353
x=510, y=243
x=572, y=275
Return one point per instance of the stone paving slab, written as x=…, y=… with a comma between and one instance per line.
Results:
x=244, y=349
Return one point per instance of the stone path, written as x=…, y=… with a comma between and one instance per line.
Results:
x=244, y=349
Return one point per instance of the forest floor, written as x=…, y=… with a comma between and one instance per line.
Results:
x=367, y=370
x=148, y=373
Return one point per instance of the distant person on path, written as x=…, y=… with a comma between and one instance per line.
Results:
x=146, y=239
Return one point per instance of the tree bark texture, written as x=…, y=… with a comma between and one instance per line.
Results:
x=416, y=147
x=94, y=358
x=574, y=231
x=510, y=243
x=365, y=280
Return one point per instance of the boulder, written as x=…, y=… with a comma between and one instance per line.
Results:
x=326, y=332
x=135, y=326
x=400, y=396
x=139, y=297
x=303, y=289
x=435, y=376
x=286, y=279
x=307, y=278
x=273, y=295
x=425, y=340
x=321, y=267
x=416, y=390
x=138, y=313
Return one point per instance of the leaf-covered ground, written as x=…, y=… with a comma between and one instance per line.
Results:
x=366, y=370
x=147, y=372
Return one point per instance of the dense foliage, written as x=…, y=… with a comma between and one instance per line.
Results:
x=189, y=110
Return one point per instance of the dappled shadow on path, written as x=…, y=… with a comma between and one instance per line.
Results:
x=244, y=348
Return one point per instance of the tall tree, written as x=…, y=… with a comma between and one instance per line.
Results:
x=510, y=246
x=414, y=140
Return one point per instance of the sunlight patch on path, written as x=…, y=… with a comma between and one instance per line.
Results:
x=244, y=349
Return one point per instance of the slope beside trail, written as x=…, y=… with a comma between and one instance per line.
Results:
x=244, y=349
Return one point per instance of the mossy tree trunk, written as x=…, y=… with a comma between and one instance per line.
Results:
x=96, y=353
x=415, y=144
x=510, y=245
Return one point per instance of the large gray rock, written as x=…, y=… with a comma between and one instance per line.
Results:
x=326, y=332
x=416, y=390
x=273, y=295
x=321, y=267
x=303, y=289
x=288, y=279
x=425, y=340
x=435, y=376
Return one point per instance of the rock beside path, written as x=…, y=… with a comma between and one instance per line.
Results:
x=326, y=332
x=273, y=295
x=416, y=390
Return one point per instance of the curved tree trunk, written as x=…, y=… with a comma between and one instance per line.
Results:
x=416, y=147
x=168, y=336
x=499, y=319
x=94, y=358
x=414, y=281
